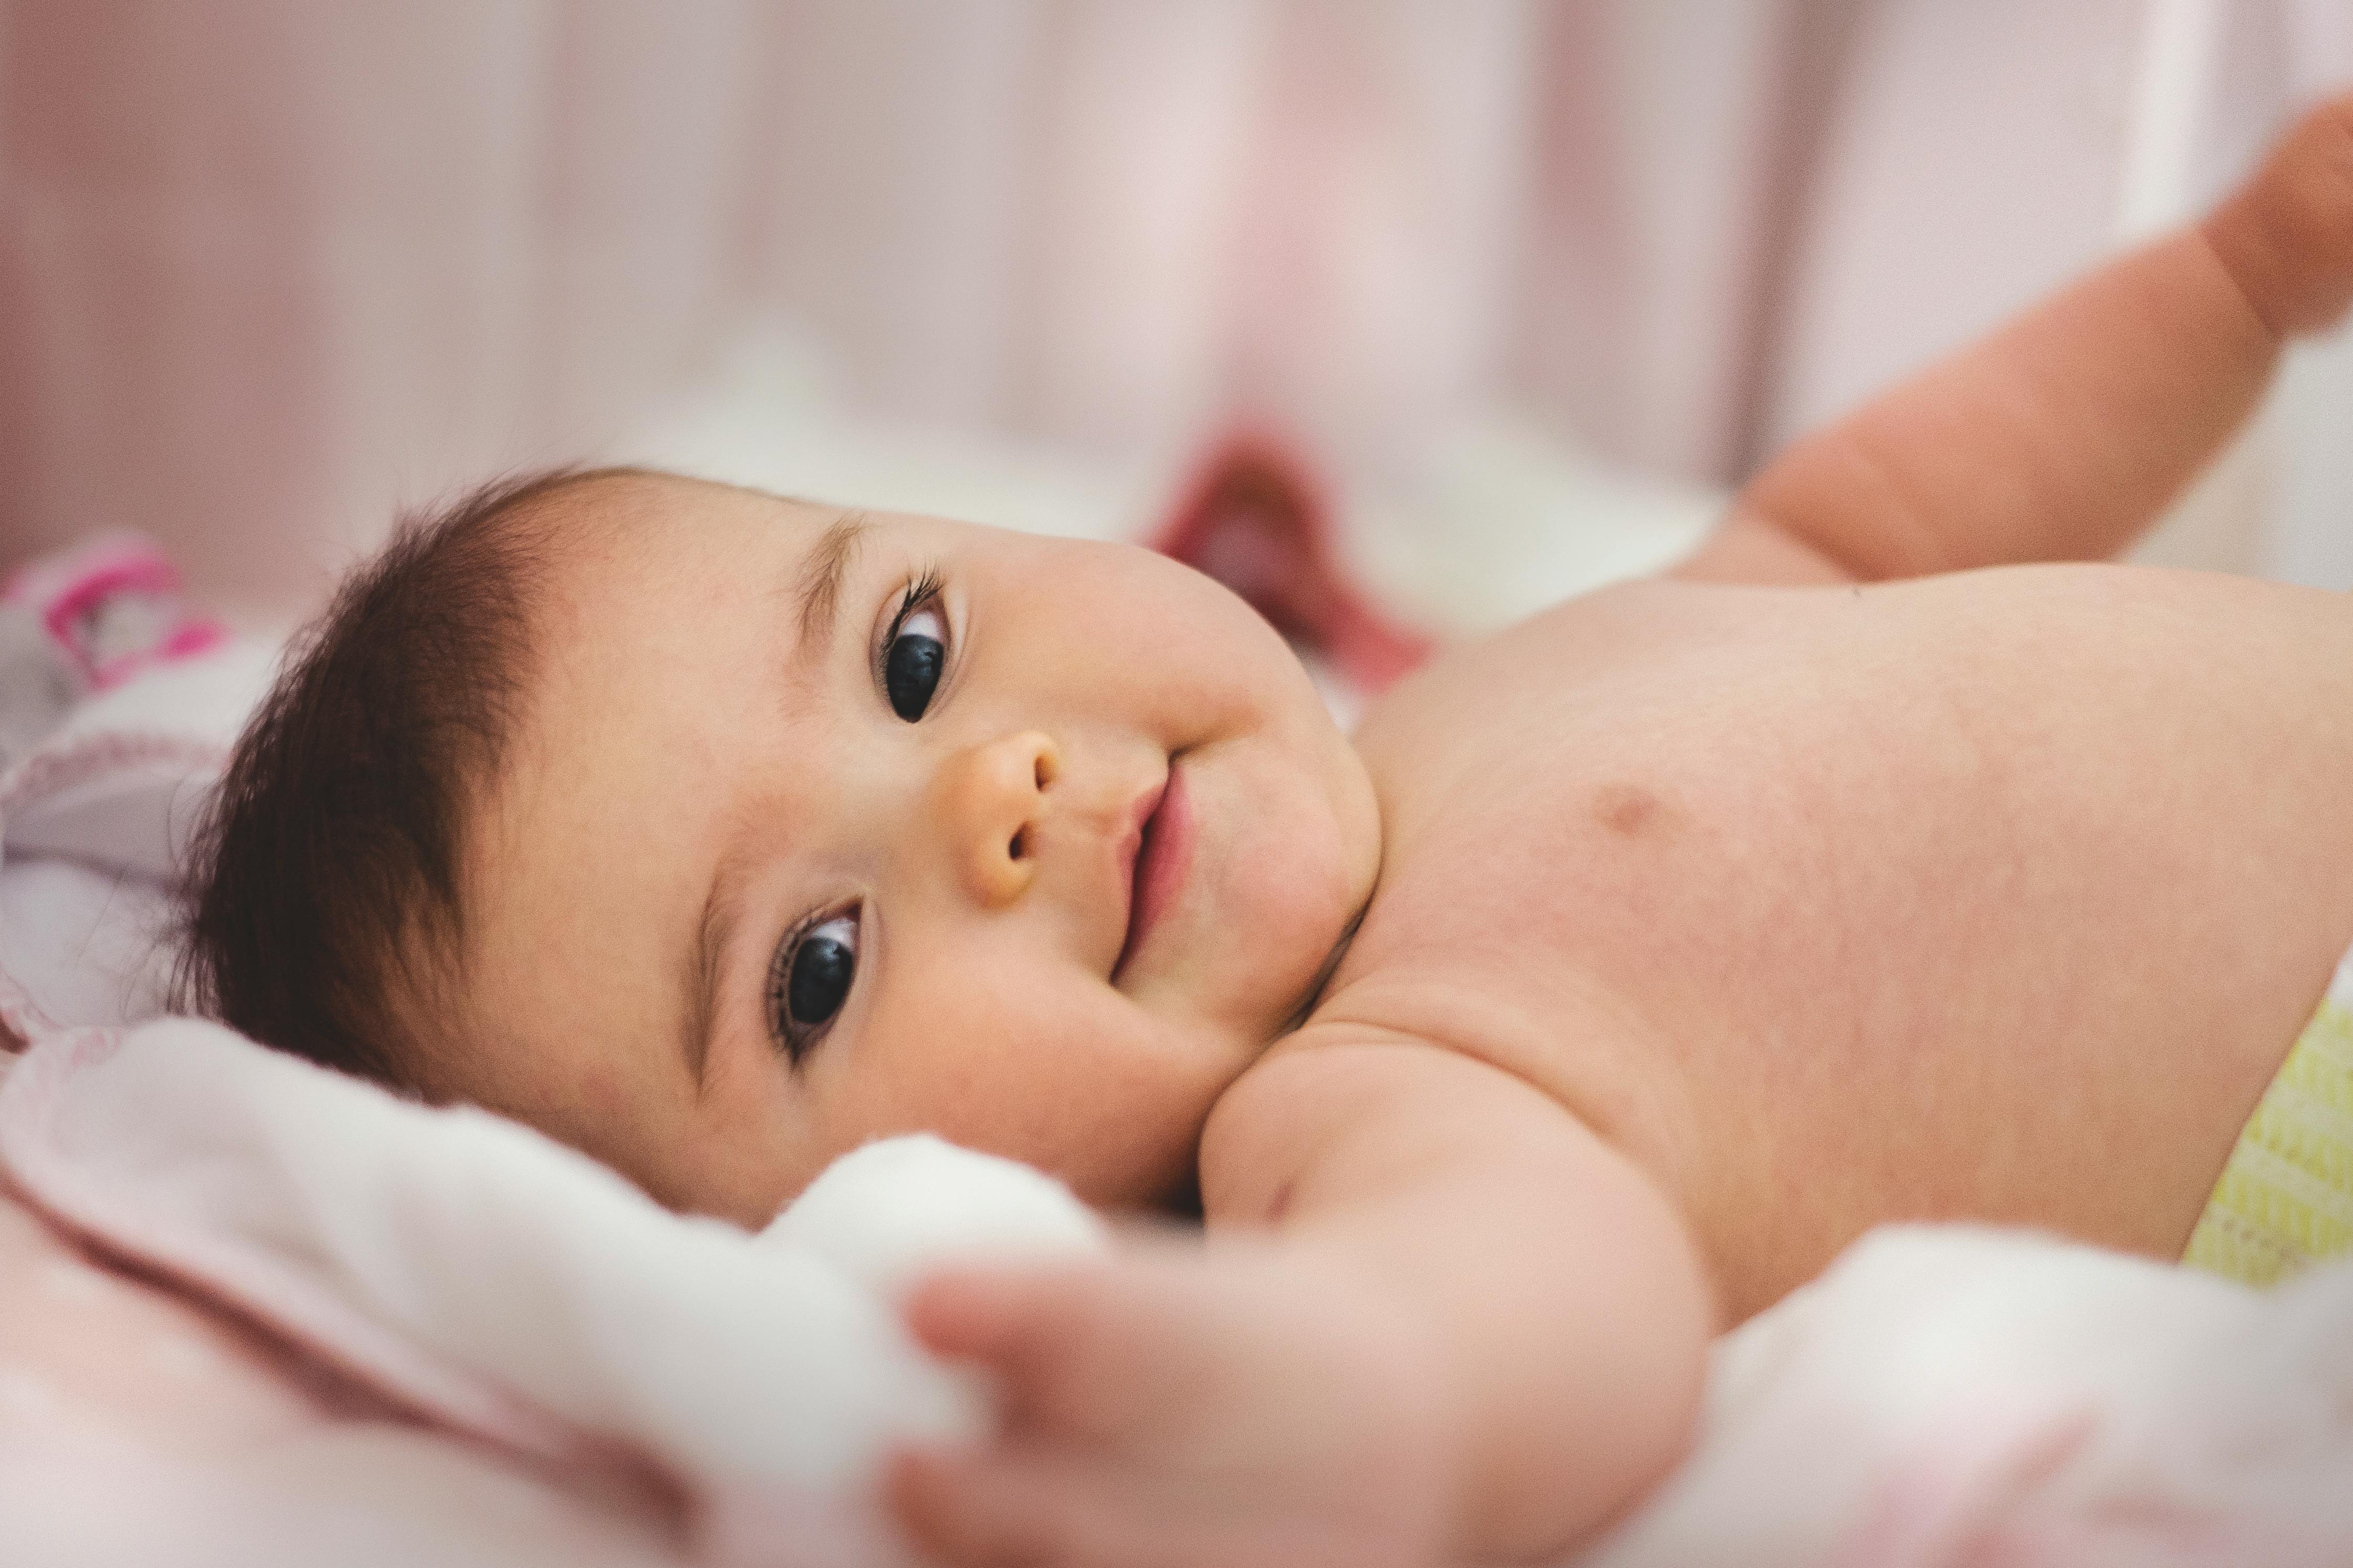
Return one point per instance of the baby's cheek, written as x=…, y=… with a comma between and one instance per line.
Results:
x=1072, y=1078
x=1287, y=886
x=1137, y=1091
x=954, y=1050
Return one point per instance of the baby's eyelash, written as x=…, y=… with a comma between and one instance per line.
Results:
x=920, y=592
x=780, y=974
x=921, y=595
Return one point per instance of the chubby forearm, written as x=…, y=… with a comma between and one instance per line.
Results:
x=2064, y=433
x=2061, y=436
x=1567, y=1332
x=1552, y=1290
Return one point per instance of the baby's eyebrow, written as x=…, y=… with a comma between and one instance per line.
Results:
x=700, y=981
x=819, y=588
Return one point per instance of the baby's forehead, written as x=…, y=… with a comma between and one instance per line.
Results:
x=636, y=515
x=626, y=550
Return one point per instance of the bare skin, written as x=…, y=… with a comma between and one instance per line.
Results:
x=1718, y=918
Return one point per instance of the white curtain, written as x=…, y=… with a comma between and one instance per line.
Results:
x=269, y=268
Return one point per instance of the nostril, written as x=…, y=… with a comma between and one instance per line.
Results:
x=1021, y=843
x=1044, y=772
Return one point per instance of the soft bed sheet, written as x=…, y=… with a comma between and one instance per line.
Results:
x=253, y=1312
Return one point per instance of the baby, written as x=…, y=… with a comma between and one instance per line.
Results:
x=1621, y=969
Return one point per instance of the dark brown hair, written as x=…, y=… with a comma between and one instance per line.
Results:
x=323, y=886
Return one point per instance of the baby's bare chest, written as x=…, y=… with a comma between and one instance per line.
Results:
x=1925, y=903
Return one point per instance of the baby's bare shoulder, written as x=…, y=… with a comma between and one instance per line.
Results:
x=1343, y=1102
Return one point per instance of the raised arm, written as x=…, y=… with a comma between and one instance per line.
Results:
x=2065, y=433
x=1436, y=1320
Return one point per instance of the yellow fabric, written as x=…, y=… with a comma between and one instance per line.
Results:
x=2286, y=1198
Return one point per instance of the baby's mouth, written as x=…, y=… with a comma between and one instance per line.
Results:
x=1162, y=840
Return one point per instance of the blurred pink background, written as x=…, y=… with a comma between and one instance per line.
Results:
x=269, y=268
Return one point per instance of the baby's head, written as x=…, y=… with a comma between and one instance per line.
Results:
x=716, y=834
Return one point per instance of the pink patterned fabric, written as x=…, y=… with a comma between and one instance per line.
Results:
x=113, y=606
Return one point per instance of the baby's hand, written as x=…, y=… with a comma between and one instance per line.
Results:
x=1164, y=1406
x=2287, y=236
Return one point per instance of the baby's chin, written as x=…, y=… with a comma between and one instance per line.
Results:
x=1277, y=882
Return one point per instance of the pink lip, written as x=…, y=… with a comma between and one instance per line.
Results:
x=1164, y=852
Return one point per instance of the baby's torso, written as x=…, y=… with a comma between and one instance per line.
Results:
x=1997, y=896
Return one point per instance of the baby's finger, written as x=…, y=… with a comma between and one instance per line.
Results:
x=979, y=1511
x=999, y=1316
x=1040, y=1329
x=990, y=1311
x=1080, y=1349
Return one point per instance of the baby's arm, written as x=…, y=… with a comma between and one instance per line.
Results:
x=2063, y=433
x=1561, y=1290
x=1435, y=1319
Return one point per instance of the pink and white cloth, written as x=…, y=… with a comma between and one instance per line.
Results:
x=255, y=1312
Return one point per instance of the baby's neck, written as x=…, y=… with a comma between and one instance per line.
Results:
x=1323, y=972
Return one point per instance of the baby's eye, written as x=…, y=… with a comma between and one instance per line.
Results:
x=911, y=664
x=813, y=981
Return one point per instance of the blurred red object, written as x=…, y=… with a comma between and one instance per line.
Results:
x=1254, y=520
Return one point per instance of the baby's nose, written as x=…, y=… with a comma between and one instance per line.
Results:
x=994, y=796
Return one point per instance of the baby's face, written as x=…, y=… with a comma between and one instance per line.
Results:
x=818, y=828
